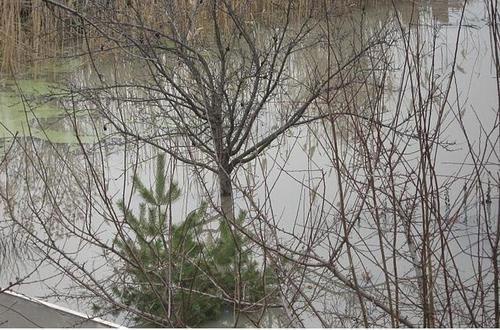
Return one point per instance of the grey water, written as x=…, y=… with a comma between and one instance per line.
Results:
x=292, y=183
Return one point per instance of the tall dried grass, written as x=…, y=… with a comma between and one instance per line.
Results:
x=33, y=29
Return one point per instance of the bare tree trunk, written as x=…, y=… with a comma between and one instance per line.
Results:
x=226, y=192
x=226, y=198
x=223, y=165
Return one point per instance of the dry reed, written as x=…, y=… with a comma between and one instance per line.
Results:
x=33, y=29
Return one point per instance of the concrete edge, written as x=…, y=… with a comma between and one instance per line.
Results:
x=64, y=309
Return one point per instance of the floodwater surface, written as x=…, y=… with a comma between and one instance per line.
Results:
x=294, y=184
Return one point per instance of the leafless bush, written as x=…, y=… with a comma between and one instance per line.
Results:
x=386, y=233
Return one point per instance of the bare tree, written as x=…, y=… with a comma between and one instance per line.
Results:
x=210, y=77
x=385, y=234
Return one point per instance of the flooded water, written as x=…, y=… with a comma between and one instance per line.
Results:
x=437, y=61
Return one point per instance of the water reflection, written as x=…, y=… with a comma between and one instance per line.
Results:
x=415, y=12
x=294, y=184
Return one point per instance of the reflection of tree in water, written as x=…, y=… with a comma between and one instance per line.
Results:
x=371, y=155
x=45, y=192
x=41, y=181
x=410, y=11
x=441, y=9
